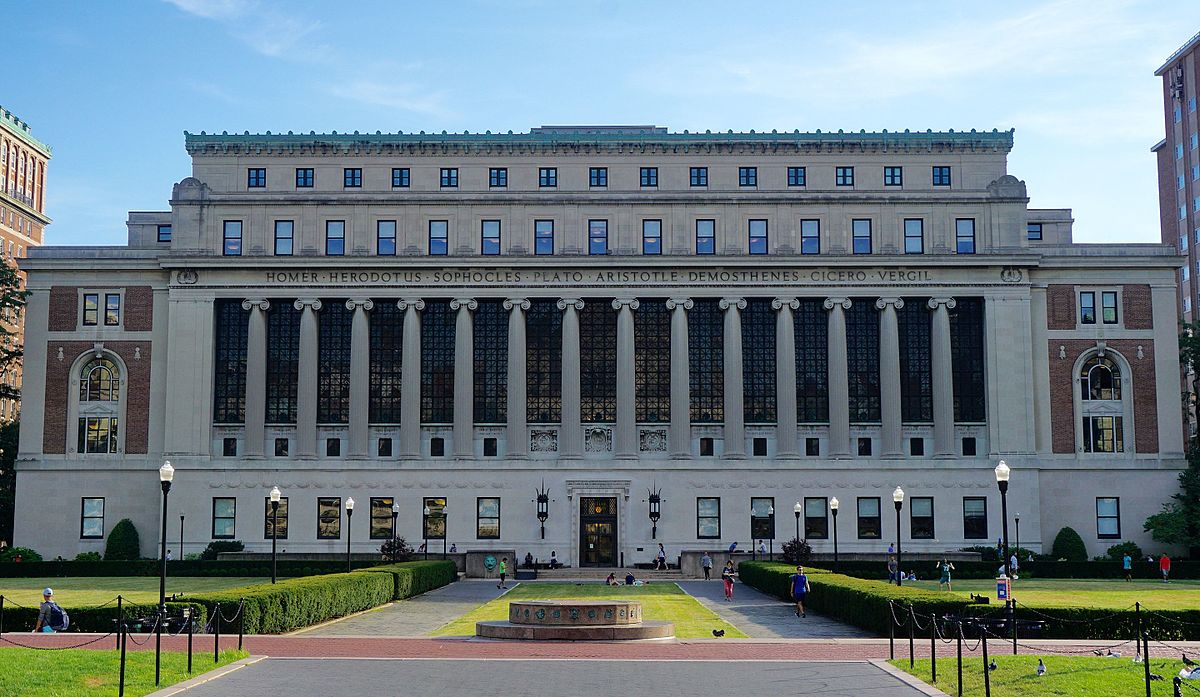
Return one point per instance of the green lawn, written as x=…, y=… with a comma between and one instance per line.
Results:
x=92, y=591
x=1066, y=676
x=660, y=601
x=1101, y=593
x=87, y=673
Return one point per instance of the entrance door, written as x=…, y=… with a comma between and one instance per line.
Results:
x=598, y=531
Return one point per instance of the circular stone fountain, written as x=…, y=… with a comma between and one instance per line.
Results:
x=575, y=620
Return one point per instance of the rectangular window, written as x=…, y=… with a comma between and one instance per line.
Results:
x=97, y=434
x=547, y=177
x=762, y=518
x=920, y=513
x=708, y=518
x=699, y=176
x=381, y=517
x=941, y=176
x=598, y=177
x=816, y=518
x=964, y=235
x=232, y=235
x=229, y=447
x=1195, y=141
x=812, y=447
x=651, y=237
x=449, y=177
x=91, y=519
x=256, y=178
x=914, y=236
x=1178, y=114
x=597, y=237
x=1183, y=212
x=498, y=177
x=706, y=447
x=758, y=237
x=1195, y=172
x=112, y=309
x=797, y=176
x=284, y=237
x=1191, y=103
x=164, y=233
x=1033, y=231
x=434, y=518
x=224, y=517
x=400, y=178
x=1103, y=434
x=439, y=238
x=489, y=243
x=706, y=237
x=969, y=446
x=916, y=447
x=333, y=447
x=329, y=518
x=975, y=525
x=385, y=238
x=1087, y=307
x=649, y=176
x=870, y=523
x=1180, y=182
x=487, y=518
x=1108, y=307
x=862, y=236
x=1179, y=151
x=1108, y=518
x=384, y=448
x=893, y=176
x=304, y=177
x=282, y=517
x=335, y=238
x=352, y=177
x=845, y=176
x=747, y=176
x=281, y=447
x=810, y=236
x=543, y=237
x=864, y=447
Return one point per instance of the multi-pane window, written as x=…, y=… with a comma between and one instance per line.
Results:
x=491, y=362
x=597, y=237
x=870, y=523
x=97, y=434
x=652, y=361
x=543, y=363
x=914, y=236
x=489, y=234
x=112, y=309
x=352, y=177
x=270, y=520
x=256, y=178
x=543, y=237
x=757, y=232
x=941, y=175
x=381, y=517
x=598, y=176
x=229, y=358
x=893, y=176
x=1087, y=307
x=305, y=177
x=487, y=518
x=598, y=361
x=283, y=351
x=449, y=177
x=1099, y=380
x=816, y=518
x=434, y=522
x=916, y=368
x=706, y=236
x=164, y=233
x=401, y=178
x=844, y=176
x=547, y=177
x=708, y=518
x=758, y=362
x=797, y=176
x=437, y=363
x=747, y=176
x=699, y=176
x=284, y=237
x=812, y=362
x=385, y=238
x=762, y=518
x=329, y=518
x=498, y=177
x=861, y=229
x=1108, y=518
x=91, y=309
x=439, y=237
x=1033, y=231
x=810, y=236
x=964, y=235
x=649, y=176
x=232, y=238
x=91, y=518
x=333, y=355
x=1108, y=307
x=385, y=355
x=224, y=517
x=651, y=237
x=335, y=238
x=1103, y=434
x=920, y=513
x=706, y=361
x=862, y=361
x=967, y=359
x=975, y=524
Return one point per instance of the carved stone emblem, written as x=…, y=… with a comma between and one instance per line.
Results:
x=597, y=440
x=187, y=277
x=543, y=441
x=1011, y=274
x=653, y=440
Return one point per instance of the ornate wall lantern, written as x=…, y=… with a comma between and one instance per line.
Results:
x=543, y=506
x=655, y=501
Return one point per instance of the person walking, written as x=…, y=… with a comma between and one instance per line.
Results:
x=1127, y=565
x=893, y=569
x=945, y=567
x=51, y=618
x=1013, y=566
x=800, y=589
x=503, y=571
x=706, y=563
x=660, y=561
x=727, y=575
x=1164, y=565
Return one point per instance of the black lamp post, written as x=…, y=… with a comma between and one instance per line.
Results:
x=833, y=506
x=395, y=514
x=275, y=495
x=425, y=531
x=655, y=501
x=1002, y=474
x=1017, y=544
x=349, y=517
x=771, y=514
x=797, y=509
x=165, y=474
x=898, y=499
x=181, y=557
x=445, y=531
x=543, y=507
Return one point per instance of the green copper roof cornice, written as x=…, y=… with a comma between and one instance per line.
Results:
x=21, y=130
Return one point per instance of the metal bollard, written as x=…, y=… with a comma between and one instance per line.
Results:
x=933, y=646
x=912, y=623
x=120, y=619
x=1146, y=659
x=122, y=639
x=1, y=615
x=1012, y=616
x=960, y=640
x=216, y=632
x=987, y=675
x=241, y=622
x=191, y=620
x=891, y=631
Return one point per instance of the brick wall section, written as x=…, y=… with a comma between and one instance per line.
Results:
x=55, y=433
x=1136, y=305
x=1145, y=404
x=139, y=308
x=64, y=308
x=1060, y=307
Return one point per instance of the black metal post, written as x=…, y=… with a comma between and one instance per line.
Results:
x=835, y=550
x=1004, y=525
x=1, y=615
x=1137, y=613
x=912, y=629
x=349, y=518
x=891, y=631
x=274, y=537
x=1177, y=683
x=394, y=543
x=1017, y=542
x=191, y=620
x=216, y=632
x=122, y=639
x=180, y=537
x=933, y=646
x=797, y=525
x=446, y=531
x=987, y=674
x=960, y=641
x=241, y=622
x=120, y=620
x=1012, y=618
x=162, y=589
x=1146, y=659
x=753, y=550
x=899, y=505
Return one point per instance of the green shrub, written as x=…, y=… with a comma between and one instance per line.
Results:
x=88, y=556
x=26, y=554
x=217, y=546
x=985, y=553
x=396, y=550
x=416, y=577
x=1118, y=551
x=300, y=602
x=1069, y=545
x=102, y=619
x=123, y=542
x=797, y=551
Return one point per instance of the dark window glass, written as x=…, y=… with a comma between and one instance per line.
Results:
x=498, y=177
x=797, y=176
x=491, y=362
x=543, y=237
x=386, y=361
x=490, y=447
x=284, y=237
x=762, y=518
x=487, y=518
x=920, y=514
x=1099, y=379
x=598, y=176
x=435, y=522
x=304, y=177
x=964, y=234
x=381, y=517
x=229, y=447
x=652, y=361
x=98, y=434
x=759, y=447
x=384, y=448
x=699, y=176
x=893, y=176
x=810, y=236
x=489, y=243
x=968, y=447
x=232, y=234
x=916, y=447
x=112, y=309
x=598, y=361
x=845, y=176
x=281, y=447
x=862, y=342
x=1103, y=434
x=816, y=518
x=758, y=237
x=651, y=237
x=1087, y=307
x=758, y=362
x=862, y=236
x=437, y=447
x=400, y=178
x=649, y=176
x=91, y=309
x=1108, y=307
x=812, y=362
x=352, y=177
x=439, y=238
x=333, y=447
x=437, y=362
x=706, y=237
x=385, y=238
x=966, y=355
x=335, y=238
x=543, y=363
x=91, y=519
x=164, y=233
x=270, y=520
x=597, y=237
x=870, y=524
x=449, y=177
x=256, y=178
x=975, y=525
x=706, y=447
x=229, y=386
x=747, y=176
x=1033, y=231
x=1108, y=518
x=941, y=176
x=283, y=361
x=812, y=447
x=914, y=236
x=333, y=355
x=864, y=447
x=547, y=177
x=329, y=518
x=224, y=517
x=706, y=361
x=916, y=369
x=708, y=518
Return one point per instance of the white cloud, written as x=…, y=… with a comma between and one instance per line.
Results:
x=270, y=30
x=214, y=9
x=392, y=95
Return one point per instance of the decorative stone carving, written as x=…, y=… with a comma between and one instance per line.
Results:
x=365, y=303
x=1011, y=274
x=302, y=303
x=543, y=441
x=685, y=303
x=881, y=303
x=633, y=303
x=652, y=440
x=469, y=303
x=1007, y=186
x=260, y=303
x=830, y=303
x=522, y=303
x=1062, y=353
x=726, y=303
x=60, y=354
x=1141, y=352
x=563, y=303
x=406, y=303
x=950, y=303
x=597, y=439
x=778, y=303
x=187, y=277
x=137, y=353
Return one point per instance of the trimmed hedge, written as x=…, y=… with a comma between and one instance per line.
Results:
x=300, y=602
x=102, y=619
x=877, y=570
x=416, y=577
x=150, y=567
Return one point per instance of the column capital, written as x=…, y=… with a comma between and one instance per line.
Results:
x=779, y=303
x=831, y=303
x=726, y=303
x=469, y=303
x=564, y=303
x=313, y=304
x=631, y=303
x=935, y=303
x=685, y=303
x=522, y=303
x=357, y=303
x=415, y=303
x=882, y=303
x=256, y=304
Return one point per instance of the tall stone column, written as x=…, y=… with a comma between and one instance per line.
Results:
x=681, y=392
x=360, y=377
x=889, y=376
x=570, y=431
x=735, y=415
x=943, y=378
x=517, y=435
x=464, y=378
x=786, y=439
x=306, y=386
x=626, y=436
x=410, y=379
x=256, y=377
x=839, y=379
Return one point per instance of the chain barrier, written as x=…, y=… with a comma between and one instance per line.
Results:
x=149, y=635
x=1187, y=684
x=1170, y=619
x=5, y=638
x=1178, y=649
x=1065, y=621
x=898, y=623
x=237, y=614
x=182, y=627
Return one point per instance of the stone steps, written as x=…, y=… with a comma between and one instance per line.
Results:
x=599, y=574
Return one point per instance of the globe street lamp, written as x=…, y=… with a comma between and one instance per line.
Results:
x=275, y=496
x=395, y=543
x=1002, y=474
x=165, y=474
x=898, y=499
x=797, y=509
x=833, y=506
x=349, y=516
x=425, y=530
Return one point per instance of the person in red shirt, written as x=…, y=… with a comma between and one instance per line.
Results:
x=1164, y=565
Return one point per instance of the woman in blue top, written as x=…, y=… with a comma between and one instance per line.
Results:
x=800, y=589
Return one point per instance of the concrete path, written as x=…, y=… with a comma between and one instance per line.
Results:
x=416, y=616
x=761, y=616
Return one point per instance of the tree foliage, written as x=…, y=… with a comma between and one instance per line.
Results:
x=396, y=550
x=8, y=477
x=797, y=551
x=124, y=544
x=1069, y=545
x=1178, y=523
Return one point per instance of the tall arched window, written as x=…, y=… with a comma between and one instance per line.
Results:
x=99, y=399
x=1101, y=407
x=1099, y=379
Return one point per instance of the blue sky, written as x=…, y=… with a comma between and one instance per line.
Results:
x=111, y=86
